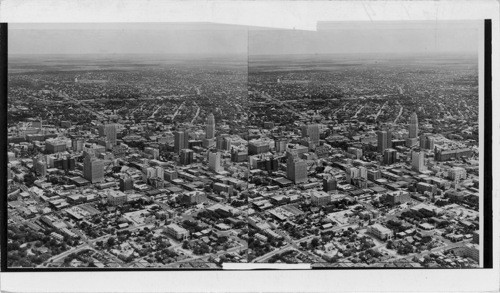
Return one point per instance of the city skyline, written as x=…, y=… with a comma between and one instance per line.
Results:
x=157, y=162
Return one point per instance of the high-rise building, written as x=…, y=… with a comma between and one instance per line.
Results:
x=320, y=198
x=413, y=131
x=296, y=169
x=210, y=126
x=150, y=173
x=258, y=147
x=55, y=146
x=239, y=156
x=214, y=162
x=280, y=144
x=160, y=172
x=390, y=156
x=187, y=135
x=314, y=133
x=186, y=156
x=108, y=131
x=426, y=141
x=389, y=139
x=93, y=169
x=126, y=183
x=311, y=131
x=429, y=143
x=417, y=161
x=41, y=166
x=381, y=141
x=329, y=184
x=208, y=143
x=423, y=140
x=153, y=152
x=64, y=163
x=355, y=151
x=222, y=142
x=77, y=144
x=304, y=130
x=351, y=173
x=226, y=144
x=374, y=175
x=363, y=172
x=116, y=198
x=170, y=175
x=179, y=141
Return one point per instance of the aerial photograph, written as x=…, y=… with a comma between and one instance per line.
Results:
x=364, y=146
x=127, y=146
x=192, y=145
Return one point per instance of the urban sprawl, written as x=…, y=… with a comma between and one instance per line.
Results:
x=196, y=163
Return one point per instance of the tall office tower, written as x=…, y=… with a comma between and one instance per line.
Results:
x=186, y=157
x=423, y=140
x=40, y=166
x=55, y=146
x=311, y=131
x=214, y=163
x=210, y=126
x=429, y=144
x=417, y=161
x=126, y=183
x=109, y=131
x=426, y=141
x=314, y=133
x=179, y=141
x=329, y=184
x=389, y=139
x=381, y=141
x=280, y=145
x=220, y=142
x=304, y=130
x=390, y=156
x=93, y=169
x=187, y=135
x=77, y=144
x=296, y=169
x=160, y=172
x=413, y=125
x=363, y=172
x=256, y=147
x=351, y=173
x=150, y=173
x=226, y=145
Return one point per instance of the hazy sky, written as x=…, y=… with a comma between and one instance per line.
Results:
x=370, y=37
x=127, y=39
x=199, y=38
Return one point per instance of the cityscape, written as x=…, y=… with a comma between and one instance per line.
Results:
x=262, y=152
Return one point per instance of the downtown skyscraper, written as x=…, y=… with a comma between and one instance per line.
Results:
x=93, y=169
x=108, y=131
x=210, y=126
x=381, y=141
x=413, y=131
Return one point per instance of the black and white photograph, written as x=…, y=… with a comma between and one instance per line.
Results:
x=217, y=145
x=367, y=136
x=136, y=140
